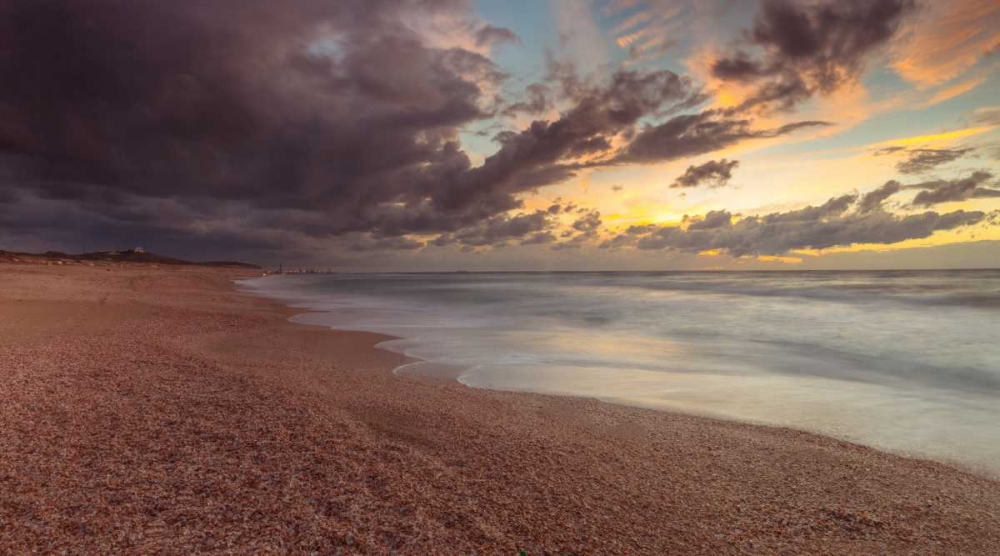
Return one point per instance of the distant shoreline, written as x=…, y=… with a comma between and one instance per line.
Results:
x=126, y=256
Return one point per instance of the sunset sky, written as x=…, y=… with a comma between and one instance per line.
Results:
x=451, y=134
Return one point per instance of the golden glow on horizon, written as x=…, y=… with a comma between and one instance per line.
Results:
x=783, y=259
x=814, y=164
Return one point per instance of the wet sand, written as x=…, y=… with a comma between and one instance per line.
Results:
x=156, y=410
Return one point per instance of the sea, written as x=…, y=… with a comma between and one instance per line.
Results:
x=903, y=361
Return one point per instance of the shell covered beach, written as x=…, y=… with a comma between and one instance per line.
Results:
x=151, y=409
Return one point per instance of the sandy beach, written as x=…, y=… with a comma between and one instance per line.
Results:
x=156, y=410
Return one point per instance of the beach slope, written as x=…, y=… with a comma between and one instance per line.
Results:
x=155, y=410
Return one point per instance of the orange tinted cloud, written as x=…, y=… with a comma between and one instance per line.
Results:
x=635, y=20
x=648, y=33
x=946, y=39
x=955, y=90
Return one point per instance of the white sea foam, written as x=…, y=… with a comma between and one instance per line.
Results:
x=904, y=361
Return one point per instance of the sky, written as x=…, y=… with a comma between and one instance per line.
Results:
x=505, y=135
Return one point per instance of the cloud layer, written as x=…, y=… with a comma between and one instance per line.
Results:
x=287, y=124
x=946, y=191
x=714, y=173
x=312, y=117
x=841, y=221
x=260, y=129
x=922, y=161
x=800, y=49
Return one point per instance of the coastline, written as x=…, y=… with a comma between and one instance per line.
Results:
x=153, y=409
x=905, y=400
x=417, y=368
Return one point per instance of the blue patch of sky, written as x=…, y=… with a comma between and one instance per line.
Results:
x=533, y=22
x=910, y=119
x=524, y=62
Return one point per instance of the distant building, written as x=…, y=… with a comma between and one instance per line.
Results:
x=138, y=250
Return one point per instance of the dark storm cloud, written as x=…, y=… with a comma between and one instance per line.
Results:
x=331, y=107
x=713, y=219
x=581, y=232
x=536, y=156
x=563, y=74
x=841, y=221
x=873, y=199
x=539, y=238
x=314, y=118
x=262, y=126
x=488, y=35
x=921, y=161
x=161, y=225
x=472, y=65
x=946, y=191
x=535, y=101
x=738, y=67
x=694, y=134
x=500, y=229
x=714, y=173
x=559, y=206
x=805, y=48
x=588, y=223
x=367, y=243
